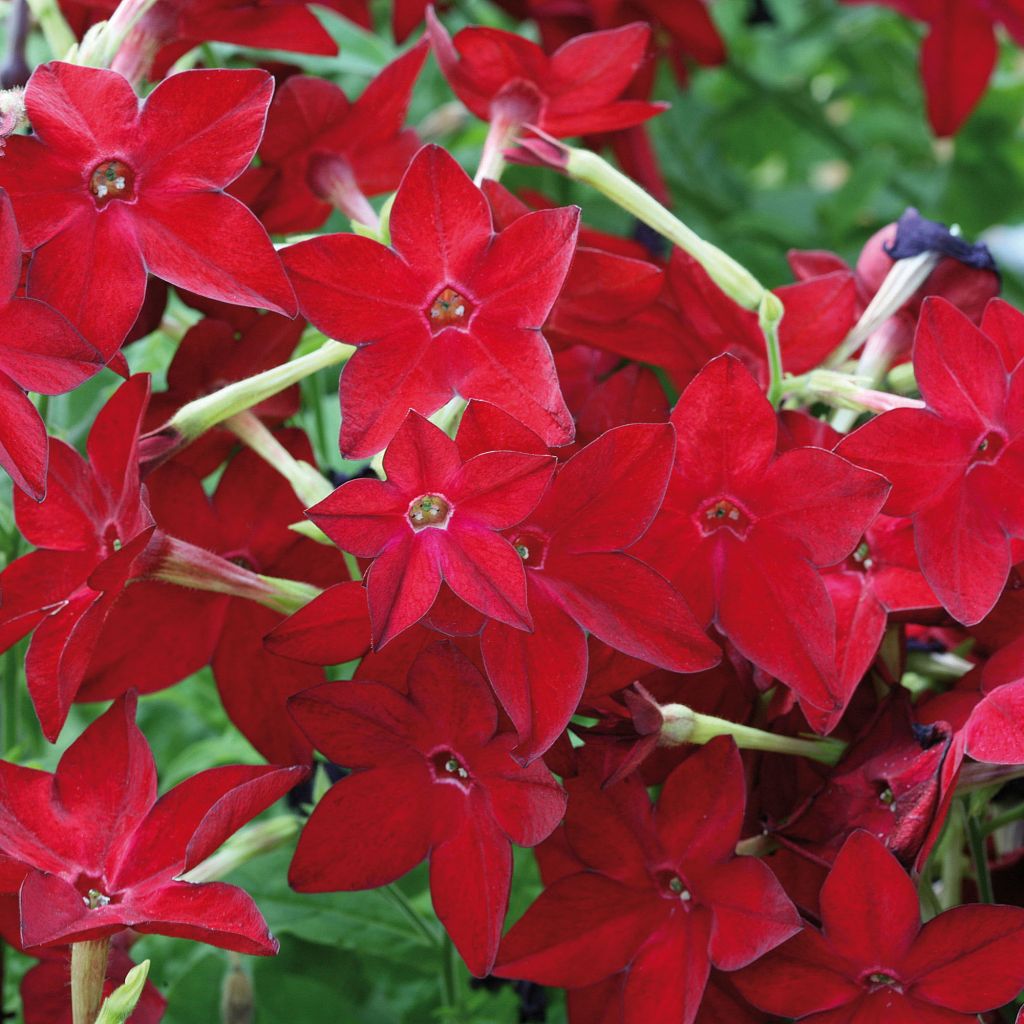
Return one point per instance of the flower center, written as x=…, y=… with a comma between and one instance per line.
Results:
x=448, y=768
x=721, y=513
x=111, y=179
x=876, y=980
x=989, y=447
x=94, y=899
x=449, y=309
x=429, y=510
x=673, y=887
x=861, y=557
x=531, y=549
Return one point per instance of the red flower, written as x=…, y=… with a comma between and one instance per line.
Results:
x=881, y=576
x=505, y=78
x=39, y=351
x=437, y=518
x=743, y=531
x=434, y=778
x=170, y=28
x=659, y=894
x=320, y=150
x=896, y=780
x=90, y=531
x=452, y=308
x=957, y=466
x=105, y=190
x=874, y=961
x=579, y=579
x=94, y=851
x=959, y=52
x=245, y=521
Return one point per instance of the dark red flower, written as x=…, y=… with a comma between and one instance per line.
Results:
x=170, y=28
x=246, y=522
x=660, y=894
x=106, y=190
x=39, y=351
x=957, y=466
x=452, y=308
x=437, y=518
x=322, y=151
x=880, y=577
x=959, y=52
x=874, y=961
x=579, y=579
x=94, y=851
x=90, y=531
x=434, y=778
x=510, y=80
x=743, y=531
x=895, y=780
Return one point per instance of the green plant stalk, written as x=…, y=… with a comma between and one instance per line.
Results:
x=88, y=974
x=187, y=565
x=1002, y=820
x=57, y=32
x=732, y=277
x=952, y=862
x=404, y=905
x=308, y=483
x=681, y=724
x=200, y=415
x=976, y=837
x=769, y=315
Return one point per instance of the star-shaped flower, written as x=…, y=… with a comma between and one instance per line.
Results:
x=434, y=777
x=437, y=518
x=89, y=533
x=92, y=851
x=575, y=91
x=658, y=894
x=956, y=466
x=743, y=531
x=106, y=190
x=322, y=151
x=873, y=960
x=451, y=308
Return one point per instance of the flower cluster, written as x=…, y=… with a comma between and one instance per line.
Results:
x=707, y=593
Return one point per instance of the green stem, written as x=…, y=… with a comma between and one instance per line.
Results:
x=200, y=415
x=769, y=315
x=952, y=862
x=310, y=486
x=187, y=565
x=1004, y=819
x=402, y=902
x=448, y=973
x=251, y=841
x=57, y=32
x=681, y=724
x=976, y=836
x=732, y=277
x=88, y=974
